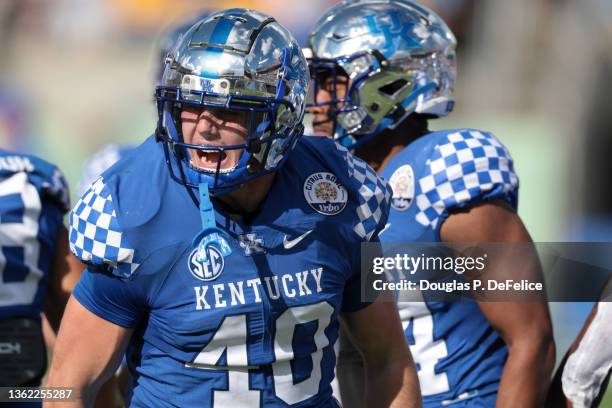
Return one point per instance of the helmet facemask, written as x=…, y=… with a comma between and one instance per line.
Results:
x=369, y=93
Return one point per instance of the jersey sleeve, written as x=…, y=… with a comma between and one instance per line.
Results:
x=96, y=237
x=372, y=194
x=466, y=168
x=373, y=200
x=122, y=302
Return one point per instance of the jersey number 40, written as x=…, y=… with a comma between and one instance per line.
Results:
x=231, y=336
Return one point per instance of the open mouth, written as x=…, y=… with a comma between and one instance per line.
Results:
x=209, y=159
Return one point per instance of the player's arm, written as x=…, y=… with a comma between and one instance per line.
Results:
x=583, y=375
x=105, y=304
x=87, y=352
x=524, y=326
x=67, y=270
x=390, y=373
x=556, y=396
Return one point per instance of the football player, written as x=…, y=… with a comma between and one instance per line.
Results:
x=381, y=70
x=224, y=251
x=37, y=271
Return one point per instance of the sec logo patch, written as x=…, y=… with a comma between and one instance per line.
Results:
x=208, y=269
x=402, y=184
x=325, y=194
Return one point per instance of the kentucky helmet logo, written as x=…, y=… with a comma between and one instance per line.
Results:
x=325, y=194
x=395, y=30
x=207, y=266
x=402, y=184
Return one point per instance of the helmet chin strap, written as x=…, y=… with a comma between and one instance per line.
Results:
x=210, y=235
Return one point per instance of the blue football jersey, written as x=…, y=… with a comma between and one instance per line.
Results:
x=457, y=352
x=33, y=201
x=255, y=328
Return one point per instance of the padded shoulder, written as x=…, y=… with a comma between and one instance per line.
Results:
x=96, y=237
x=463, y=168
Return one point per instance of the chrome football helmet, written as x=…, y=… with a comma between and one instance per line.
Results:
x=172, y=35
x=240, y=60
x=396, y=57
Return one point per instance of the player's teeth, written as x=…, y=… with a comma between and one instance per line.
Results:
x=210, y=157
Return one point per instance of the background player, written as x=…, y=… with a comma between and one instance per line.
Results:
x=232, y=301
x=383, y=69
x=37, y=271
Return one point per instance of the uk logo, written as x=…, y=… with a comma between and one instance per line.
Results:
x=252, y=244
x=206, y=268
x=207, y=85
x=392, y=27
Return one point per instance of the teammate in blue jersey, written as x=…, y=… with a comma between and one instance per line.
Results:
x=223, y=251
x=37, y=270
x=381, y=70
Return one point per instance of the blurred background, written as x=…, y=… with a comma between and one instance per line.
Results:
x=77, y=75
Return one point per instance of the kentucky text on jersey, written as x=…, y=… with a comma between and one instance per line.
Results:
x=289, y=285
x=253, y=328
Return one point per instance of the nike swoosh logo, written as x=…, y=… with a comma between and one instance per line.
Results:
x=288, y=244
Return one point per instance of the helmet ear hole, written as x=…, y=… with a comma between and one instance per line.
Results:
x=394, y=87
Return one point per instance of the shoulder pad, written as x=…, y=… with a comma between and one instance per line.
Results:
x=96, y=237
x=464, y=168
x=372, y=192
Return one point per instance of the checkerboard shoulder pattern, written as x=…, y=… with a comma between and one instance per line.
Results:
x=374, y=195
x=95, y=235
x=469, y=165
